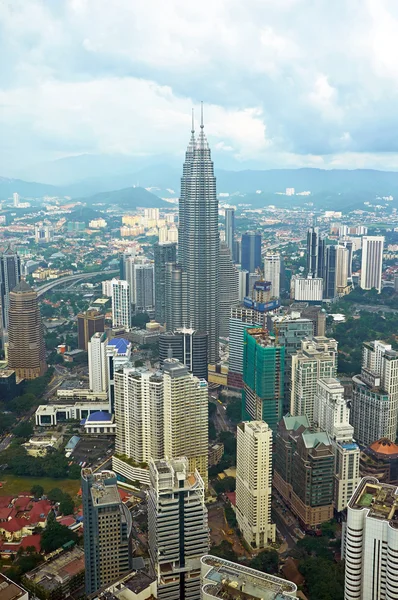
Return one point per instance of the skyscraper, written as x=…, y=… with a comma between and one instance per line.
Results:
x=254, y=483
x=107, y=530
x=229, y=288
x=26, y=349
x=185, y=416
x=97, y=363
x=251, y=251
x=263, y=377
x=178, y=531
x=315, y=252
x=230, y=231
x=272, y=272
x=370, y=545
x=144, y=288
x=88, y=323
x=375, y=394
x=241, y=319
x=342, y=269
x=330, y=274
x=10, y=273
x=163, y=253
x=331, y=414
x=176, y=309
x=317, y=359
x=372, y=262
x=121, y=305
x=198, y=240
x=118, y=352
x=188, y=346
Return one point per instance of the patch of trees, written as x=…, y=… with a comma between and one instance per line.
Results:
x=55, y=535
x=53, y=465
x=266, y=561
x=24, y=561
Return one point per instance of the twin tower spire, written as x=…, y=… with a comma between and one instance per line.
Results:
x=201, y=142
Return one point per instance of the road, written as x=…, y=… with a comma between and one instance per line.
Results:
x=375, y=309
x=6, y=442
x=52, y=284
x=283, y=528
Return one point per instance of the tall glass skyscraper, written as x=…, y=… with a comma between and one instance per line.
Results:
x=10, y=276
x=230, y=230
x=198, y=240
x=251, y=251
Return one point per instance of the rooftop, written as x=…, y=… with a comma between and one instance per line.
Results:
x=229, y=581
x=296, y=422
x=379, y=499
x=59, y=570
x=311, y=440
x=121, y=344
x=10, y=590
x=99, y=416
x=384, y=446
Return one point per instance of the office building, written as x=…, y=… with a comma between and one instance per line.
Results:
x=26, y=349
x=261, y=300
x=342, y=270
x=317, y=359
x=107, y=530
x=43, y=233
x=118, y=353
x=314, y=313
x=97, y=363
x=306, y=289
x=139, y=414
x=225, y=579
x=372, y=262
x=178, y=531
x=315, y=253
x=198, y=241
x=304, y=471
x=380, y=460
x=241, y=319
x=370, y=546
x=137, y=585
x=188, y=346
x=263, y=377
x=289, y=331
x=88, y=323
x=176, y=310
x=330, y=280
x=121, y=305
x=230, y=231
x=144, y=300
x=185, y=416
x=272, y=273
x=332, y=414
x=254, y=483
x=163, y=254
x=242, y=283
x=251, y=252
x=229, y=288
x=10, y=273
x=375, y=394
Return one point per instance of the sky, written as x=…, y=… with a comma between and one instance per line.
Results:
x=285, y=83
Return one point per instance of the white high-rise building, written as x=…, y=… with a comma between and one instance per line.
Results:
x=185, y=416
x=372, y=262
x=178, y=532
x=121, y=305
x=272, y=272
x=370, y=543
x=229, y=287
x=254, y=483
x=306, y=289
x=342, y=258
x=97, y=363
x=118, y=352
x=375, y=394
x=15, y=198
x=332, y=414
x=139, y=414
x=317, y=359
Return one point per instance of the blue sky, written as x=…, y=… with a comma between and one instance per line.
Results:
x=285, y=82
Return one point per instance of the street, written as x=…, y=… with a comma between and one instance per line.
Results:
x=6, y=442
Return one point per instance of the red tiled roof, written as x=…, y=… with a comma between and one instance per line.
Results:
x=29, y=540
x=231, y=497
x=384, y=446
x=13, y=525
x=5, y=501
x=67, y=521
x=5, y=513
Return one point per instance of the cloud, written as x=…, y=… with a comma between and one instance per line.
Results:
x=285, y=82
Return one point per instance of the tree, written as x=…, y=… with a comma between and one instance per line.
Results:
x=22, y=404
x=229, y=441
x=266, y=561
x=23, y=430
x=234, y=410
x=66, y=506
x=37, y=491
x=55, y=495
x=224, y=550
x=228, y=484
x=56, y=535
x=6, y=422
x=74, y=471
x=140, y=320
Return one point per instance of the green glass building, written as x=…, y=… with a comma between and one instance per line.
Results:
x=263, y=377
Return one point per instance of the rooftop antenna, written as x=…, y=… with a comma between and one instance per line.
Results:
x=201, y=115
x=193, y=121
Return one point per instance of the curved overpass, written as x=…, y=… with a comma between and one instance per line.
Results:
x=70, y=278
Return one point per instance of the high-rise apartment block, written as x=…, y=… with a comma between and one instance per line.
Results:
x=254, y=483
x=251, y=251
x=107, y=530
x=332, y=414
x=10, y=274
x=185, y=416
x=15, y=199
x=121, y=304
x=306, y=289
x=144, y=299
x=118, y=353
x=375, y=394
x=317, y=359
x=241, y=319
x=177, y=528
x=88, y=323
x=26, y=349
x=263, y=377
x=370, y=546
x=188, y=346
x=372, y=262
x=163, y=254
x=230, y=231
x=229, y=288
x=272, y=273
x=304, y=471
x=97, y=363
x=224, y=579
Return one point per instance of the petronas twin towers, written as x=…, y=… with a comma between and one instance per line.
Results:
x=198, y=242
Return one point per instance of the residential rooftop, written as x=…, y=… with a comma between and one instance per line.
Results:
x=380, y=500
x=10, y=590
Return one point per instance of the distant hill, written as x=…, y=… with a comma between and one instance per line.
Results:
x=130, y=197
x=25, y=188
